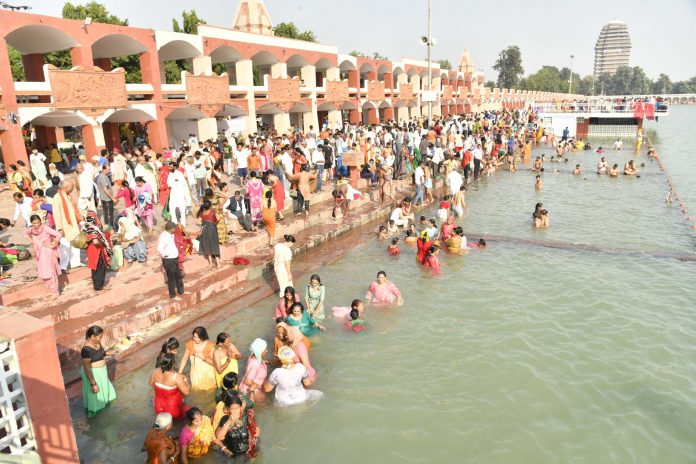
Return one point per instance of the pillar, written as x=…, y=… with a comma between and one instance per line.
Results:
x=372, y=116
x=33, y=67
x=112, y=134
x=388, y=113
x=45, y=136
x=151, y=73
x=207, y=127
x=93, y=139
x=81, y=56
x=103, y=63
x=308, y=74
x=388, y=80
x=281, y=121
x=245, y=78
x=335, y=119
x=402, y=114
x=11, y=139
x=354, y=117
x=354, y=79
x=42, y=382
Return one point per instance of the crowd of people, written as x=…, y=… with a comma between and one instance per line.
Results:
x=248, y=180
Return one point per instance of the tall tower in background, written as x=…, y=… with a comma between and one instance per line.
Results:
x=613, y=48
x=252, y=16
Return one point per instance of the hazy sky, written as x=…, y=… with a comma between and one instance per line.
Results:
x=663, y=33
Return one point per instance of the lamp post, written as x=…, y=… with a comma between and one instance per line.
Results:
x=570, y=80
x=430, y=61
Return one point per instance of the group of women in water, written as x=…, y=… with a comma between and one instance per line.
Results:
x=228, y=421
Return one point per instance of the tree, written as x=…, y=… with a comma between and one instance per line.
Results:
x=94, y=10
x=190, y=21
x=291, y=31
x=490, y=84
x=584, y=86
x=445, y=64
x=378, y=56
x=547, y=79
x=16, y=64
x=640, y=84
x=663, y=84
x=509, y=67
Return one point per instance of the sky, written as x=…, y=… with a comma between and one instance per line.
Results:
x=662, y=33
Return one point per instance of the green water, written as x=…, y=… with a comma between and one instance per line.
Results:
x=519, y=353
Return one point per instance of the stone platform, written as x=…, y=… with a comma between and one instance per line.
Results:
x=134, y=308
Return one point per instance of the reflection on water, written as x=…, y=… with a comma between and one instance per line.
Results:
x=517, y=354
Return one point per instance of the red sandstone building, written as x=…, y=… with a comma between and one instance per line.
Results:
x=297, y=83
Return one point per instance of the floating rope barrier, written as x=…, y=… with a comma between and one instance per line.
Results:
x=572, y=246
x=673, y=194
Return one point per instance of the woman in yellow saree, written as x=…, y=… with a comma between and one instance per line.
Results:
x=196, y=436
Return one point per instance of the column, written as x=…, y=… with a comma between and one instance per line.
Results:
x=150, y=74
x=231, y=71
x=112, y=135
x=81, y=56
x=11, y=138
x=33, y=67
x=93, y=139
x=103, y=63
x=281, y=121
x=415, y=111
x=245, y=78
x=372, y=116
x=388, y=113
x=402, y=113
x=207, y=127
x=309, y=78
x=354, y=79
x=388, y=80
x=335, y=119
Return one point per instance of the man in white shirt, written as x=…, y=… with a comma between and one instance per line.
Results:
x=166, y=247
x=478, y=156
x=179, y=196
x=85, y=184
x=240, y=155
x=399, y=218
x=22, y=208
x=318, y=162
x=455, y=181
x=618, y=145
x=419, y=178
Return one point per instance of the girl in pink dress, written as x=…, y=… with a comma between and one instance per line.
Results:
x=255, y=192
x=145, y=202
x=45, y=242
x=256, y=372
x=383, y=291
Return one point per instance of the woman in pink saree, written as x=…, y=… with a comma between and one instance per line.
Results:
x=383, y=291
x=255, y=192
x=45, y=242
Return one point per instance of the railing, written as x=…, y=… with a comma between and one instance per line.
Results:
x=627, y=108
x=14, y=414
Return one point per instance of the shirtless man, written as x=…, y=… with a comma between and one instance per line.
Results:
x=382, y=181
x=538, y=165
x=630, y=169
x=602, y=166
x=539, y=184
x=614, y=171
x=303, y=190
x=577, y=171
x=459, y=201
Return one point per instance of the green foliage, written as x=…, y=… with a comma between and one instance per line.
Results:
x=60, y=60
x=190, y=21
x=16, y=64
x=663, y=84
x=94, y=10
x=489, y=84
x=374, y=56
x=290, y=31
x=509, y=67
x=445, y=64
x=173, y=69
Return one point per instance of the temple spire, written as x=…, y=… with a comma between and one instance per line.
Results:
x=253, y=17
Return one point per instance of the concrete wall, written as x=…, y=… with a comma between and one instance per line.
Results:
x=35, y=345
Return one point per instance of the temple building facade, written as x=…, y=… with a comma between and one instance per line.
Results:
x=239, y=77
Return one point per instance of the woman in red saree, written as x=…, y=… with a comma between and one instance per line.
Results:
x=183, y=243
x=163, y=188
x=170, y=388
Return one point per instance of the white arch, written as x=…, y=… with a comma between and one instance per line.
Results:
x=48, y=117
x=186, y=112
x=177, y=45
x=347, y=65
x=296, y=61
x=368, y=105
x=142, y=114
x=264, y=58
x=366, y=67
x=39, y=38
x=225, y=54
x=113, y=45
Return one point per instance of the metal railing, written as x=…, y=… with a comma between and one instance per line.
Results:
x=627, y=108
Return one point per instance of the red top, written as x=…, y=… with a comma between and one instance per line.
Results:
x=393, y=250
x=209, y=216
x=423, y=250
x=445, y=205
x=466, y=159
x=432, y=262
